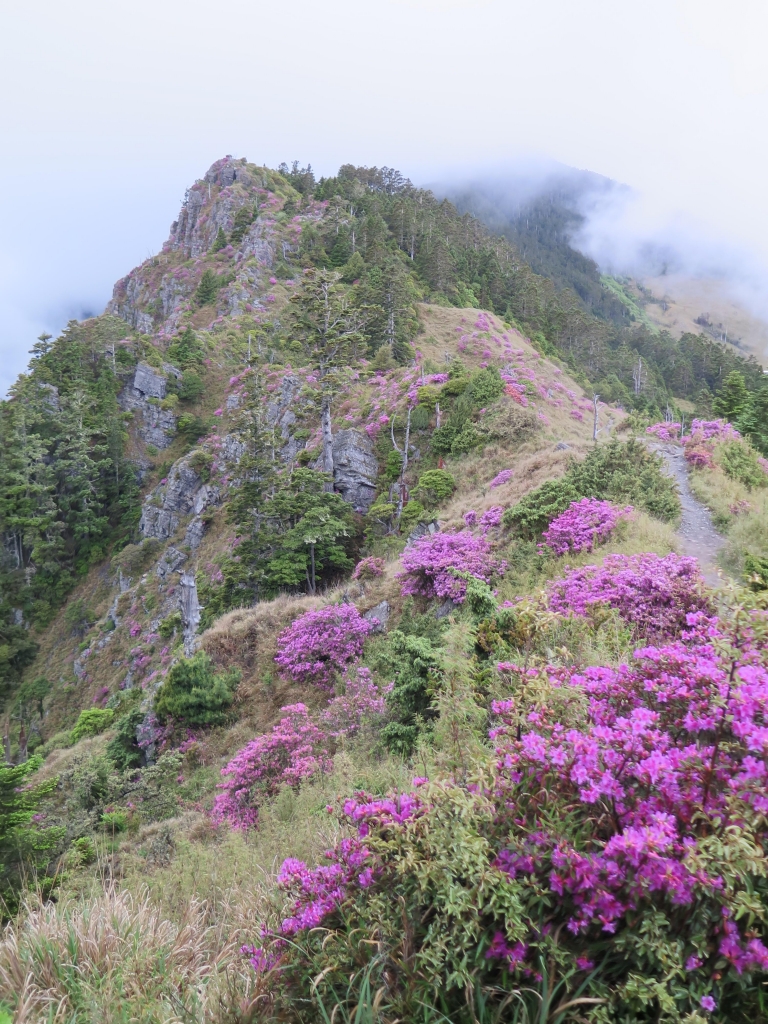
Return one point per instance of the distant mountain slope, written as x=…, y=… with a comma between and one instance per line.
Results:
x=541, y=218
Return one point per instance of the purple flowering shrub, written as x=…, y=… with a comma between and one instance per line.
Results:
x=368, y=569
x=616, y=858
x=664, y=431
x=652, y=593
x=320, y=644
x=297, y=749
x=429, y=561
x=501, y=478
x=291, y=752
x=583, y=525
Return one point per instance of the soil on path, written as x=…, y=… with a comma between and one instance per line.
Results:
x=698, y=536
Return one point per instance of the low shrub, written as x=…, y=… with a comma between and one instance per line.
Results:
x=368, y=569
x=435, y=486
x=584, y=525
x=605, y=867
x=431, y=562
x=740, y=462
x=319, y=645
x=91, y=722
x=655, y=594
x=620, y=472
x=195, y=694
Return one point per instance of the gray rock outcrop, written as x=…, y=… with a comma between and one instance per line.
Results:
x=172, y=560
x=195, y=533
x=183, y=494
x=190, y=611
x=158, y=425
x=378, y=616
x=355, y=468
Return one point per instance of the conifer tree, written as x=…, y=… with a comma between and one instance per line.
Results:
x=208, y=288
x=732, y=398
x=220, y=242
x=329, y=329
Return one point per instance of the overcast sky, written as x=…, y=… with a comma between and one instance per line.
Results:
x=110, y=111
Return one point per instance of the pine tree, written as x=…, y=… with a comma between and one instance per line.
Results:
x=732, y=398
x=208, y=288
x=329, y=329
x=754, y=420
x=220, y=242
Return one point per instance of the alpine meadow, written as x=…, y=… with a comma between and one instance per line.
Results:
x=383, y=630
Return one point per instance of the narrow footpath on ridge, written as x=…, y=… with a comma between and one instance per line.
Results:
x=697, y=533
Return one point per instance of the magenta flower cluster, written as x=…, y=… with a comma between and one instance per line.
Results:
x=501, y=478
x=664, y=431
x=430, y=565
x=318, y=645
x=291, y=752
x=368, y=568
x=295, y=750
x=655, y=594
x=669, y=764
x=583, y=525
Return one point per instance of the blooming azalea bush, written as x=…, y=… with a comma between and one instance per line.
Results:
x=293, y=751
x=318, y=645
x=368, y=569
x=430, y=564
x=583, y=525
x=664, y=431
x=501, y=478
x=655, y=594
x=616, y=860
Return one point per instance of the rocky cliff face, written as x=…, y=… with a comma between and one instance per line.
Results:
x=142, y=395
x=154, y=297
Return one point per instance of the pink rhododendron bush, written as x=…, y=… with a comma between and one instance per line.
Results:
x=608, y=858
x=320, y=644
x=430, y=564
x=584, y=525
x=665, y=431
x=655, y=594
x=297, y=749
x=368, y=569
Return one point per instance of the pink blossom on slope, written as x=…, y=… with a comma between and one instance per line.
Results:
x=584, y=524
x=319, y=644
x=653, y=593
x=427, y=564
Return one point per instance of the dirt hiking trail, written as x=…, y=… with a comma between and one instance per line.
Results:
x=697, y=534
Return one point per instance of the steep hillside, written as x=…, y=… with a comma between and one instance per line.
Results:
x=324, y=515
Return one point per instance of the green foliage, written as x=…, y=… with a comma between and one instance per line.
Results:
x=79, y=617
x=486, y=386
x=243, y=220
x=114, y=821
x=732, y=398
x=414, y=662
x=123, y=749
x=170, y=625
x=753, y=422
x=91, y=722
x=208, y=289
x=533, y=513
x=191, y=428
x=739, y=461
x=201, y=461
x=24, y=846
x=756, y=572
x=82, y=852
x=413, y=513
x=191, y=387
x=193, y=693
x=185, y=350
x=393, y=466
x=435, y=485
x=220, y=242
x=428, y=396
x=622, y=472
